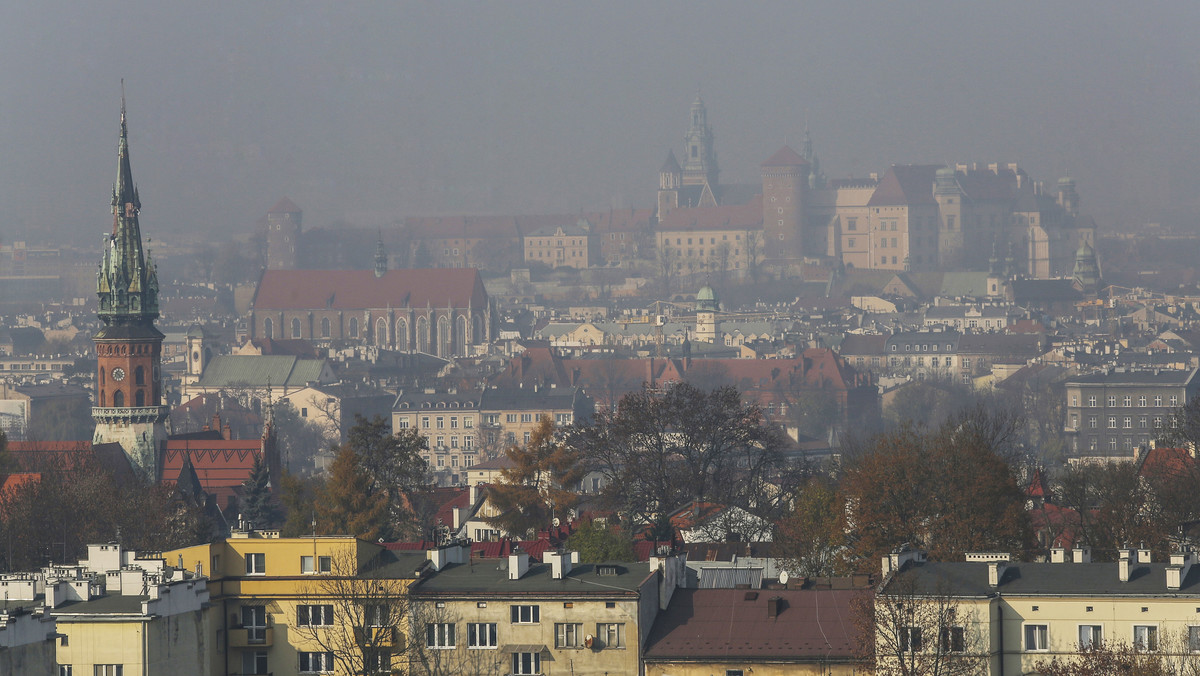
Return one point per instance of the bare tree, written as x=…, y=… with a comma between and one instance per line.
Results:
x=355, y=615
x=923, y=632
x=753, y=253
x=437, y=650
x=668, y=261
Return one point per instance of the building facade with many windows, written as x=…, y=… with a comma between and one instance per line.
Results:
x=1112, y=413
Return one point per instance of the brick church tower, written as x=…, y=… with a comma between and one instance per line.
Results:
x=128, y=346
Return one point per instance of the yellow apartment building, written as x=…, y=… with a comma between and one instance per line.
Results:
x=1012, y=616
x=284, y=606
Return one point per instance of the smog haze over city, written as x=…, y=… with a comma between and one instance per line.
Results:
x=366, y=113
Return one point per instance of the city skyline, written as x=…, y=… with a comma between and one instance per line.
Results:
x=373, y=114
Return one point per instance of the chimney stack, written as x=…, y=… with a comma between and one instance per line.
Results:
x=1123, y=566
x=774, y=605
x=1082, y=554
x=1143, y=555
x=1177, y=572
x=518, y=564
x=1058, y=555
x=560, y=564
x=995, y=573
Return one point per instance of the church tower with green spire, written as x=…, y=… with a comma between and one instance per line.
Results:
x=129, y=408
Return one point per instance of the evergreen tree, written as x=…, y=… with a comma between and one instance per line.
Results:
x=542, y=485
x=299, y=498
x=348, y=504
x=392, y=465
x=258, y=505
x=597, y=543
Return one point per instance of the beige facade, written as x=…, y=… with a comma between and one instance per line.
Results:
x=271, y=596
x=27, y=644
x=450, y=423
x=563, y=246
x=716, y=250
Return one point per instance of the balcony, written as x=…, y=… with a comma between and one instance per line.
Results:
x=251, y=637
x=379, y=637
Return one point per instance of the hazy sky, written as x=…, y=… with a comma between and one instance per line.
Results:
x=372, y=111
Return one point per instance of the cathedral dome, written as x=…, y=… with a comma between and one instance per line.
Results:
x=706, y=299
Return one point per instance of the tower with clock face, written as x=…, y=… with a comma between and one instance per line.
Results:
x=129, y=408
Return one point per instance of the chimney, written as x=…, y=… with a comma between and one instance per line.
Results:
x=774, y=605
x=472, y=492
x=1058, y=555
x=1082, y=554
x=560, y=564
x=459, y=513
x=895, y=562
x=1177, y=572
x=518, y=564
x=995, y=573
x=1143, y=555
x=1123, y=565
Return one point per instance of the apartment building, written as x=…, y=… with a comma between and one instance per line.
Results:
x=1110, y=414
x=450, y=422
x=1011, y=616
x=286, y=606
x=559, y=616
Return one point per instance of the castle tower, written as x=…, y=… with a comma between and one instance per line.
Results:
x=1086, y=275
x=1068, y=199
x=199, y=352
x=670, y=179
x=707, y=306
x=283, y=234
x=949, y=196
x=784, y=186
x=381, y=259
x=700, y=162
x=128, y=346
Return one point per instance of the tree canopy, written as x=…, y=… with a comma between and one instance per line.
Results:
x=541, y=485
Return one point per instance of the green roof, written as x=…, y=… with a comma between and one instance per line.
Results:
x=261, y=370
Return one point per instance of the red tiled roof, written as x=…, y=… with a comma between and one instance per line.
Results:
x=19, y=480
x=785, y=157
x=1167, y=462
x=358, y=289
x=284, y=206
x=219, y=463
x=734, y=625
x=730, y=217
x=905, y=184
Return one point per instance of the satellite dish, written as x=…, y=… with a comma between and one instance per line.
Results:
x=589, y=641
x=783, y=577
x=556, y=522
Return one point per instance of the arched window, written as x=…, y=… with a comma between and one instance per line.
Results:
x=445, y=346
x=381, y=327
x=140, y=398
x=354, y=327
x=295, y=327
x=268, y=328
x=401, y=334
x=139, y=376
x=462, y=334
x=422, y=334
x=325, y=327
x=119, y=399
x=103, y=399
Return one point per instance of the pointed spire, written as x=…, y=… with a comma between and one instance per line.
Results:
x=381, y=259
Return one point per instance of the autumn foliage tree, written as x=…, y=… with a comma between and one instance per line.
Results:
x=947, y=491
x=811, y=540
x=542, y=484
x=349, y=503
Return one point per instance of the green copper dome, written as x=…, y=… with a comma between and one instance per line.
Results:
x=706, y=299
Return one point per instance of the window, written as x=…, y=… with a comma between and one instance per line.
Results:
x=481, y=635
x=510, y=417
x=568, y=635
x=1174, y=400
x=376, y=615
x=64, y=670
x=735, y=672
x=468, y=422
x=254, y=621
x=320, y=615
x=453, y=422
x=402, y=423
x=325, y=327
x=1145, y=638
x=526, y=615
x=910, y=639
x=526, y=663
x=441, y=422
x=295, y=328
x=1092, y=421
x=377, y=661
x=1112, y=401
x=1142, y=401
x=252, y=662
x=611, y=635
x=1036, y=638
x=1092, y=402
x=324, y=565
x=1090, y=636
x=256, y=564
x=953, y=640
x=1112, y=422
x=439, y=635
x=1128, y=401
x=1193, y=640
x=1127, y=423
x=526, y=417
x=315, y=663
